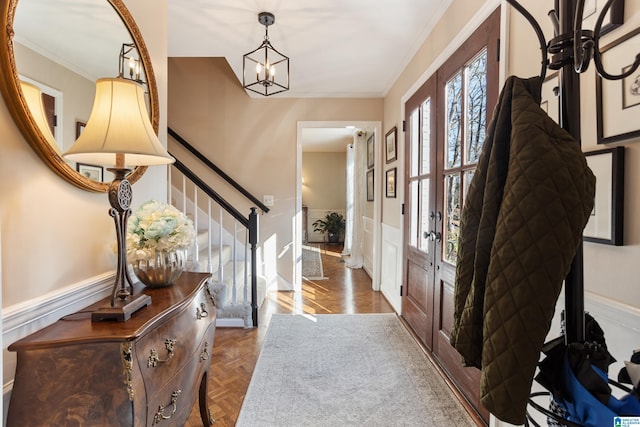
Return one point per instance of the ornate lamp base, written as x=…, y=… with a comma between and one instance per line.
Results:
x=123, y=301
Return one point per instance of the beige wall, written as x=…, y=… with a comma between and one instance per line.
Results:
x=253, y=140
x=53, y=234
x=324, y=185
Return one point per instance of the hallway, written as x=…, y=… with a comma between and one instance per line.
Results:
x=236, y=351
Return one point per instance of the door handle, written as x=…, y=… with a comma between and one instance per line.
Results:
x=435, y=236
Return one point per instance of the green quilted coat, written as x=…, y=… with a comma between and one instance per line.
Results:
x=521, y=225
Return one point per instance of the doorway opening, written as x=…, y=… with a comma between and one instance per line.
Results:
x=316, y=137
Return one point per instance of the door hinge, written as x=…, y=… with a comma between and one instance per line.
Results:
x=498, y=50
x=402, y=209
x=400, y=290
x=404, y=126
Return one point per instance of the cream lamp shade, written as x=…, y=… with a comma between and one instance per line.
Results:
x=118, y=126
x=33, y=98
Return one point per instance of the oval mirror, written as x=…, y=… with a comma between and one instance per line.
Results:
x=52, y=53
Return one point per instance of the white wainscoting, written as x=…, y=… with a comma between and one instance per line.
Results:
x=391, y=265
x=621, y=326
x=23, y=319
x=367, y=245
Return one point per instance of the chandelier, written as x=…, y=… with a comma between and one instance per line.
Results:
x=265, y=70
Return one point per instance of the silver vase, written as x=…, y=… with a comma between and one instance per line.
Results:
x=161, y=269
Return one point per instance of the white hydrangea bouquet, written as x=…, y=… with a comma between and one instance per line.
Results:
x=157, y=226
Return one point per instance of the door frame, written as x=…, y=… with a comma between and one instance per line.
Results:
x=377, y=202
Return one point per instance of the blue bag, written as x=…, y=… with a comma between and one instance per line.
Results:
x=583, y=408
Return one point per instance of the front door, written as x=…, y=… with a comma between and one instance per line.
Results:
x=446, y=122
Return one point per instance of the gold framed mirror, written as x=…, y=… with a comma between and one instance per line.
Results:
x=91, y=13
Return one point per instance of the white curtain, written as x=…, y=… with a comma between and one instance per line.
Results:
x=353, y=229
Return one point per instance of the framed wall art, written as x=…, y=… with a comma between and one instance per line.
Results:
x=605, y=224
x=618, y=101
x=550, y=102
x=391, y=145
x=391, y=183
x=612, y=20
x=370, y=185
x=79, y=128
x=92, y=172
x=370, y=152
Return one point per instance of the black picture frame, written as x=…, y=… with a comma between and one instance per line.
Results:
x=550, y=101
x=391, y=145
x=79, y=128
x=606, y=222
x=370, y=185
x=92, y=172
x=391, y=183
x=617, y=116
x=370, y=152
x=613, y=20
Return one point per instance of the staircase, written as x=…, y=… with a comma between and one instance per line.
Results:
x=226, y=243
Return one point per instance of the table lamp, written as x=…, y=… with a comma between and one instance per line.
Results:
x=119, y=135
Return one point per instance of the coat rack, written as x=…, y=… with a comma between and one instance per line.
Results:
x=572, y=49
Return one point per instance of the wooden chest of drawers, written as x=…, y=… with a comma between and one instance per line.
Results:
x=147, y=371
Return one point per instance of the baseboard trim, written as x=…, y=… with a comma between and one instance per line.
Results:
x=622, y=315
x=229, y=322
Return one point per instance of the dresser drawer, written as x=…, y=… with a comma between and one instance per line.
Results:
x=168, y=348
x=172, y=404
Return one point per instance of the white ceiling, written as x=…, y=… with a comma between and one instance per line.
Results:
x=337, y=48
x=322, y=140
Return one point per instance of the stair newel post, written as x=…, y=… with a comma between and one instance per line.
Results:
x=253, y=241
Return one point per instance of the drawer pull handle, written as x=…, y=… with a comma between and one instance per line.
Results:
x=204, y=355
x=159, y=416
x=153, y=361
x=201, y=311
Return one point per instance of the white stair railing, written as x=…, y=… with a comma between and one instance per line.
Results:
x=232, y=264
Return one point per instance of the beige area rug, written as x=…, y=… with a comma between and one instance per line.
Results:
x=312, y=263
x=346, y=370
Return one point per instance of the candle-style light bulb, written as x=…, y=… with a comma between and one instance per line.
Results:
x=267, y=70
x=258, y=70
x=132, y=67
x=272, y=73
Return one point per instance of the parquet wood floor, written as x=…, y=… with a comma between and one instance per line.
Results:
x=236, y=351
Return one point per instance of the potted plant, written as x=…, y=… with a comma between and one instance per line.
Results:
x=333, y=225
